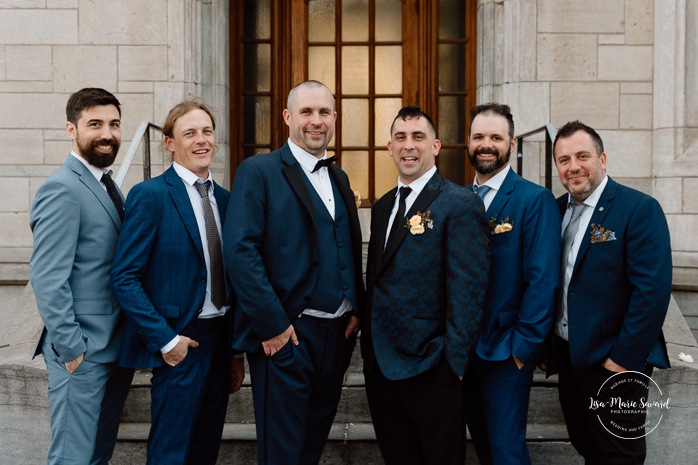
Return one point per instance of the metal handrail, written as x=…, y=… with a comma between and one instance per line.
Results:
x=550, y=132
x=142, y=135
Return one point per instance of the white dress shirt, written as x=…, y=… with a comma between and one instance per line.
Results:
x=561, y=326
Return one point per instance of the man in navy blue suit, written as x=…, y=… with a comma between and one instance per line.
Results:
x=615, y=290
x=293, y=248
x=428, y=264
x=170, y=281
x=524, y=273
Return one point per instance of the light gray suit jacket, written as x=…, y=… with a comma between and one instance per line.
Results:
x=75, y=226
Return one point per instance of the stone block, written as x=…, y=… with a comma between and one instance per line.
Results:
x=15, y=230
x=611, y=39
x=690, y=199
x=635, y=111
x=639, y=22
x=29, y=63
x=22, y=3
x=38, y=27
x=683, y=232
x=62, y=3
x=134, y=109
x=14, y=193
x=625, y=63
x=143, y=63
x=566, y=57
x=592, y=16
x=28, y=111
x=84, y=66
x=130, y=23
x=593, y=103
x=20, y=146
x=55, y=152
x=628, y=153
x=669, y=193
x=2, y=63
x=635, y=87
x=135, y=87
x=32, y=87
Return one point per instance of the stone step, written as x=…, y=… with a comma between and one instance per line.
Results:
x=353, y=406
x=348, y=443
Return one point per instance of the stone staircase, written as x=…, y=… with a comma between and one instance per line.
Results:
x=352, y=439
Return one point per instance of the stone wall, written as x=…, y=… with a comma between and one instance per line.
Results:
x=150, y=54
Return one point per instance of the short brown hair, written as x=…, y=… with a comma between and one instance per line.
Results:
x=87, y=98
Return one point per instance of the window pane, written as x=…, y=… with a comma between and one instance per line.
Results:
x=355, y=164
x=257, y=62
x=388, y=70
x=452, y=165
x=452, y=120
x=257, y=24
x=256, y=122
x=386, y=173
x=354, y=20
x=321, y=65
x=386, y=110
x=388, y=20
x=451, y=68
x=355, y=122
x=321, y=21
x=355, y=70
x=452, y=19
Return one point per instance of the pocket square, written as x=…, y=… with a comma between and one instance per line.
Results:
x=599, y=234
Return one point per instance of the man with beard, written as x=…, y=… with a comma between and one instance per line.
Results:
x=76, y=218
x=520, y=304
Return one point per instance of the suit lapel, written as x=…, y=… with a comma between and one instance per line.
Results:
x=180, y=197
x=502, y=196
x=294, y=174
x=93, y=185
x=349, y=201
x=603, y=206
x=428, y=194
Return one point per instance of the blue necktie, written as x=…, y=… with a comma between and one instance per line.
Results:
x=482, y=191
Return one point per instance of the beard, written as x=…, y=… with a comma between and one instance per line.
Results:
x=487, y=167
x=97, y=158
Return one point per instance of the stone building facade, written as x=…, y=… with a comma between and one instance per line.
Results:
x=626, y=67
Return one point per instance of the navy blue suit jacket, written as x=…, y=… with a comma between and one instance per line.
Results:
x=524, y=271
x=619, y=290
x=159, y=271
x=270, y=245
x=426, y=292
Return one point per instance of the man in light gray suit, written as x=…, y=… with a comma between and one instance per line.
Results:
x=76, y=217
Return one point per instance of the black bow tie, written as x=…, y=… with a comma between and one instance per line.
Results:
x=326, y=162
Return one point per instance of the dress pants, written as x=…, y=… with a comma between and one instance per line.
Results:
x=85, y=409
x=419, y=420
x=587, y=434
x=496, y=406
x=189, y=400
x=296, y=391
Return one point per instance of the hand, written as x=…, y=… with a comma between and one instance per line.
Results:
x=543, y=365
x=352, y=327
x=610, y=365
x=237, y=373
x=518, y=362
x=179, y=352
x=273, y=345
x=73, y=365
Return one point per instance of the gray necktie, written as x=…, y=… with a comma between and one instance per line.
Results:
x=570, y=233
x=218, y=293
x=482, y=191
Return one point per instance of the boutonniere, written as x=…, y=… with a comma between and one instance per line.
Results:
x=357, y=198
x=502, y=227
x=419, y=222
x=599, y=234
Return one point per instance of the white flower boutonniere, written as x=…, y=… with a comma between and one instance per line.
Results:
x=419, y=222
x=357, y=198
x=502, y=227
x=599, y=234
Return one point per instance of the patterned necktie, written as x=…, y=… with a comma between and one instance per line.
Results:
x=217, y=278
x=113, y=194
x=399, y=220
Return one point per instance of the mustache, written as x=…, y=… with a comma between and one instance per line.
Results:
x=486, y=151
x=110, y=142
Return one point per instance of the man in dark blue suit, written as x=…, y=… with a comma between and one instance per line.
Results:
x=293, y=247
x=427, y=271
x=616, y=285
x=170, y=282
x=524, y=273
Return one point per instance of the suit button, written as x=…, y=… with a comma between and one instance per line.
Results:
x=339, y=245
x=203, y=280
